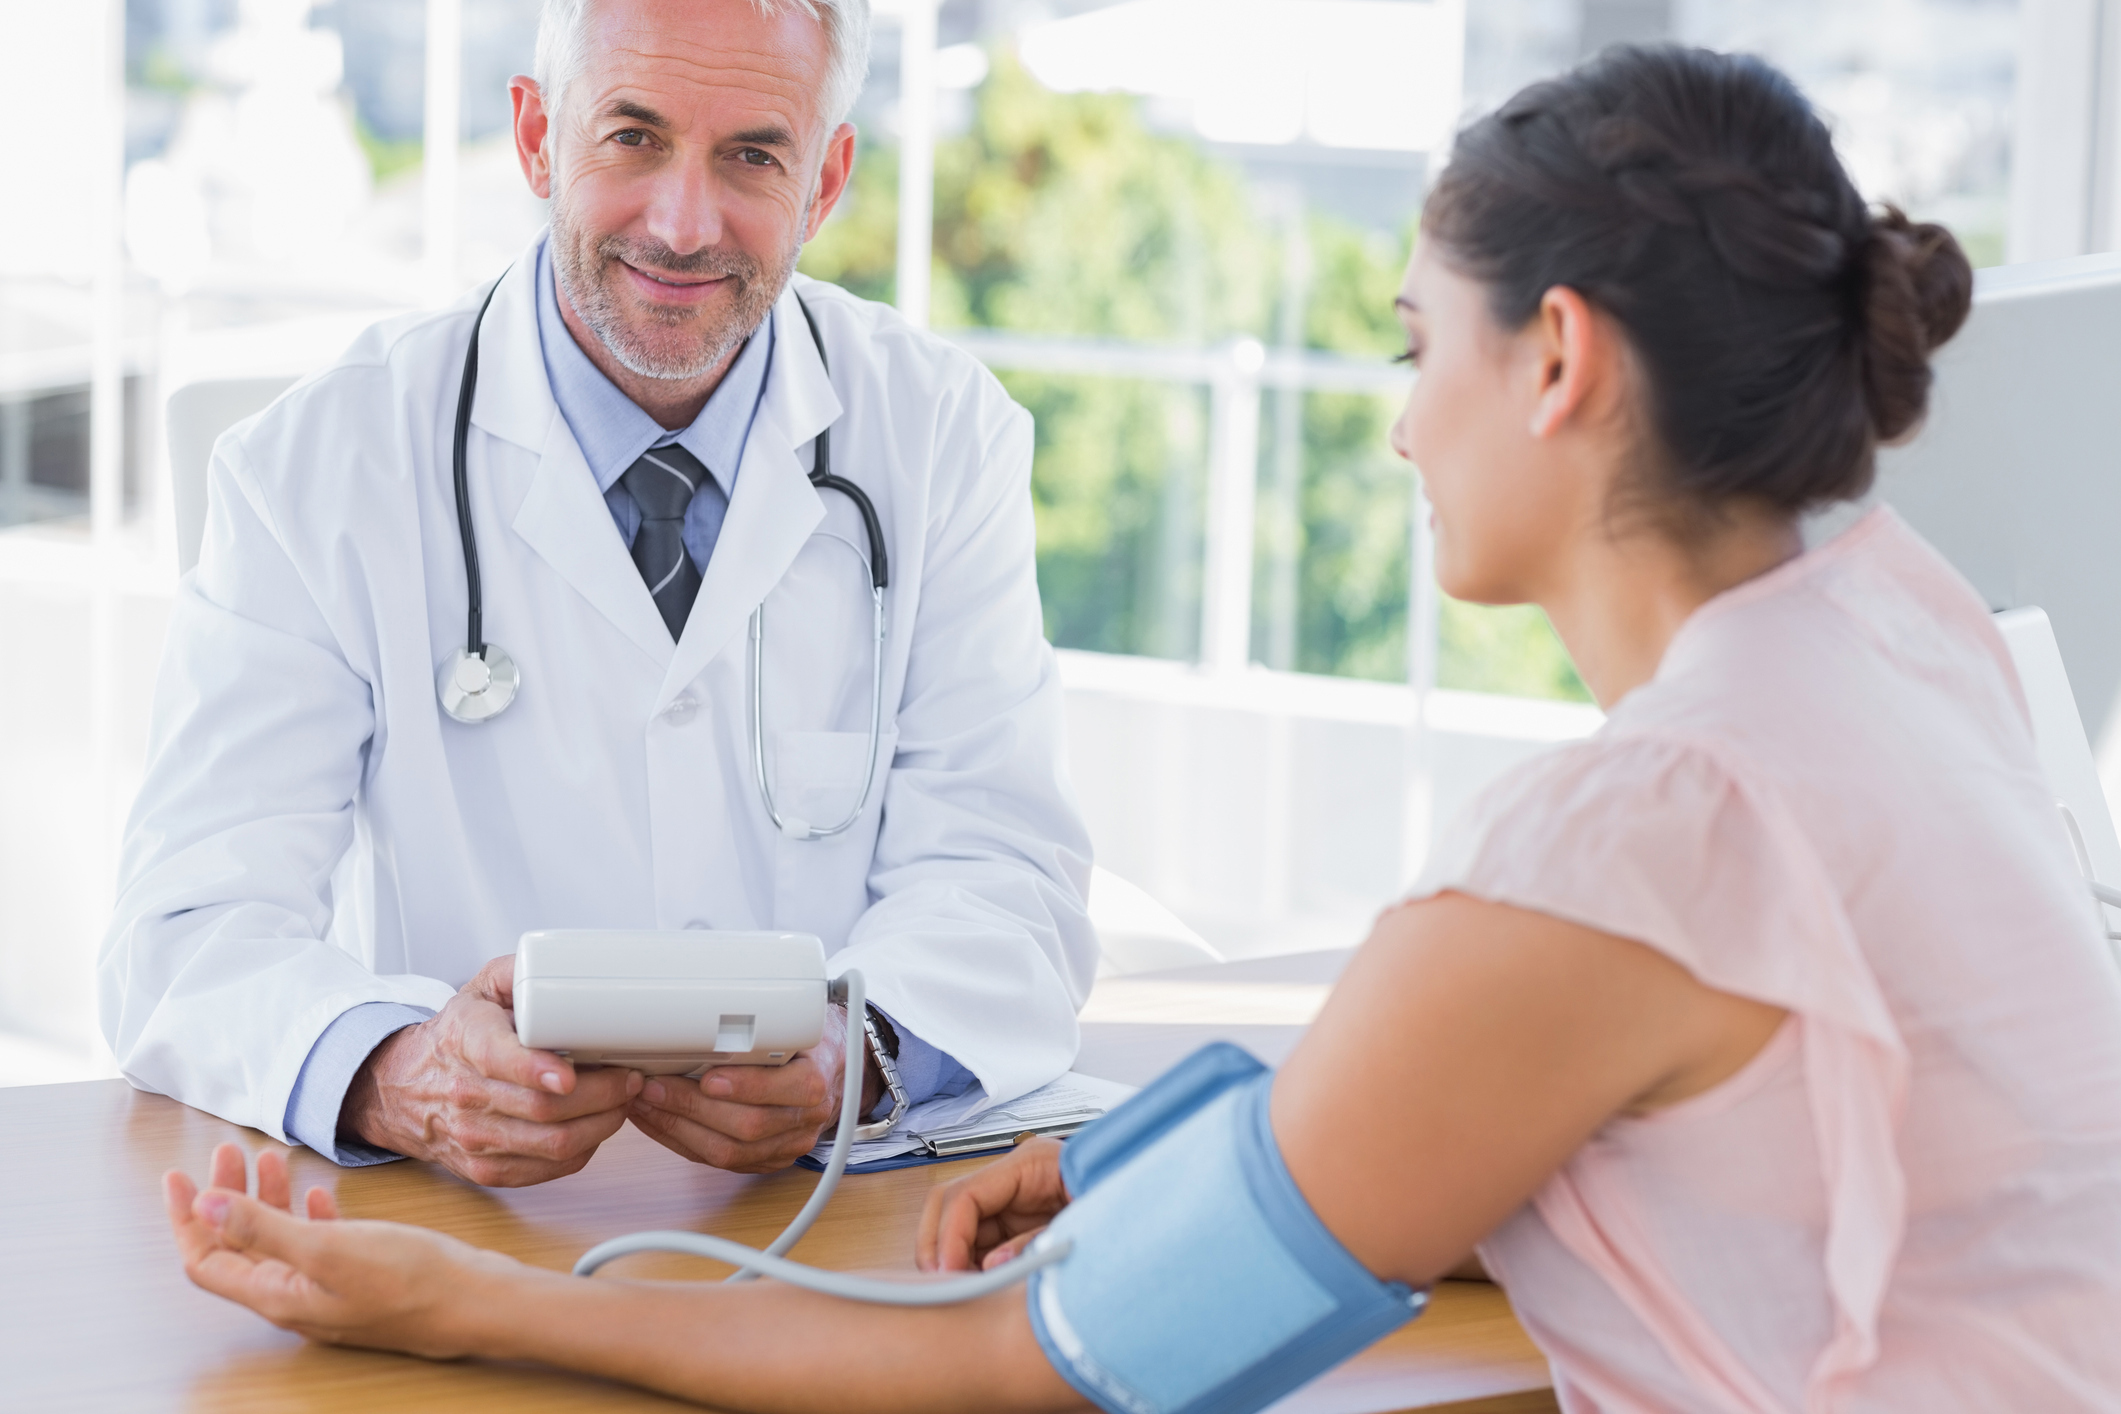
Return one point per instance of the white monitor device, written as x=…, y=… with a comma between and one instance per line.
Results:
x=670, y=1002
x=2016, y=476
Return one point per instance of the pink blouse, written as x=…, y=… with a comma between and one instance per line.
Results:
x=1827, y=799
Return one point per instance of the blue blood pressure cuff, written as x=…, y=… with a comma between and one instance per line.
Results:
x=1199, y=1281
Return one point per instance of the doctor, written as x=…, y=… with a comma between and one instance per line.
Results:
x=326, y=872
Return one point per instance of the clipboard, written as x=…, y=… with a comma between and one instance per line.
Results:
x=977, y=1137
x=1052, y=1111
x=961, y=1142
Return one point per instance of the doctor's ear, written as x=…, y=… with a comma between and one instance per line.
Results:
x=1579, y=358
x=533, y=128
x=834, y=172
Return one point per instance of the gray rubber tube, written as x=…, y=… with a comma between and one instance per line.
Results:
x=751, y=1262
x=874, y=1290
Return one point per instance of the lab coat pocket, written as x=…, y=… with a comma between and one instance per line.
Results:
x=822, y=885
x=817, y=776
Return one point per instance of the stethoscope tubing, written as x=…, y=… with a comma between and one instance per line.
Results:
x=474, y=618
x=822, y=477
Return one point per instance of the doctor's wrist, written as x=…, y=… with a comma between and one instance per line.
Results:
x=364, y=1115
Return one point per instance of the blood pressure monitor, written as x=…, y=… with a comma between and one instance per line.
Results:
x=670, y=1002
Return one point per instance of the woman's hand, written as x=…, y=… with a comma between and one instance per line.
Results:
x=377, y=1284
x=984, y=1220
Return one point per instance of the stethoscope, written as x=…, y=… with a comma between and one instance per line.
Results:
x=479, y=680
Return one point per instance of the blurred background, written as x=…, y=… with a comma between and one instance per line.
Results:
x=1172, y=227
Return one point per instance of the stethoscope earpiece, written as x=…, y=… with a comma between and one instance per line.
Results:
x=473, y=690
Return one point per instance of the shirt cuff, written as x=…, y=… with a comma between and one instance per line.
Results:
x=320, y=1090
x=927, y=1073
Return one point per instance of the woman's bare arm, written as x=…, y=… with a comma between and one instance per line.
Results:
x=774, y=1348
x=758, y=1347
x=1469, y=1050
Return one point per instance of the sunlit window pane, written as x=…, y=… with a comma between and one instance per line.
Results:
x=1509, y=650
x=1118, y=486
x=1918, y=93
x=1334, y=551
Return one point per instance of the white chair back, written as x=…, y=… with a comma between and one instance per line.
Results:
x=2066, y=758
x=198, y=414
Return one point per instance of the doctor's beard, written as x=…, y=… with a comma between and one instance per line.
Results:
x=672, y=344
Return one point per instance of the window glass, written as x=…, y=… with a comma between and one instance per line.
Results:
x=1119, y=491
x=47, y=313
x=1335, y=548
x=1917, y=92
x=1108, y=180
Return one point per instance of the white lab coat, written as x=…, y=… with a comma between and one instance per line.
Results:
x=314, y=833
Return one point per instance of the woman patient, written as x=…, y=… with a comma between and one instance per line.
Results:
x=1764, y=1045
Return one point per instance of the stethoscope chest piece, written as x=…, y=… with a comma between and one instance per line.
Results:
x=476, y=689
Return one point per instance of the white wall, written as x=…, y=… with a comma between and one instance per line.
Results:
x=77, y=668
x=1277, y=812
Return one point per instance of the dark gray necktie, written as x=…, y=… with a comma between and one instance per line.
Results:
x=662, y=484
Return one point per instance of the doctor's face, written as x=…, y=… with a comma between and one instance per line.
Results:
x=687, y=163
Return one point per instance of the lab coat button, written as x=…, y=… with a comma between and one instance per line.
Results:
x=681, y=711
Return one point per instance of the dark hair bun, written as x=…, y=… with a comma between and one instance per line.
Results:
x=1917, y=290
x=1783, y=328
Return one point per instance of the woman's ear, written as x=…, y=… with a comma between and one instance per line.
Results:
x=1574, y=359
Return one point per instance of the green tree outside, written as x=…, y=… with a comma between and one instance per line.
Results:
x=1065, y=214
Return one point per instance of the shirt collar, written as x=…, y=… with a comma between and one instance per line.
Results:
x=611, y=428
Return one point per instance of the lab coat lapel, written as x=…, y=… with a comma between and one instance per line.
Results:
x=514, y=402
x=774, y=508
x=563, y=517
x=565, y=520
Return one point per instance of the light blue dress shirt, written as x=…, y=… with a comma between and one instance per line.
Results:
x=612, y=432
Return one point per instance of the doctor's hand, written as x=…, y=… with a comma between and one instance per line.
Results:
x=459, y=1090
x=986, y=1218
x=756, y=1118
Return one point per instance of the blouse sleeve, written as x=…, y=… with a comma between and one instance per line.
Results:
x=1680, y=846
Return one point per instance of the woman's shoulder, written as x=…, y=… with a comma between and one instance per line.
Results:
x=1680, y=842
x=1839, y=673
x=1875, y=615
x=1640, y=770
x=1631, y=800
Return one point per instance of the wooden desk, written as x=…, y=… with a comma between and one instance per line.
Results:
x=96, y=1315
